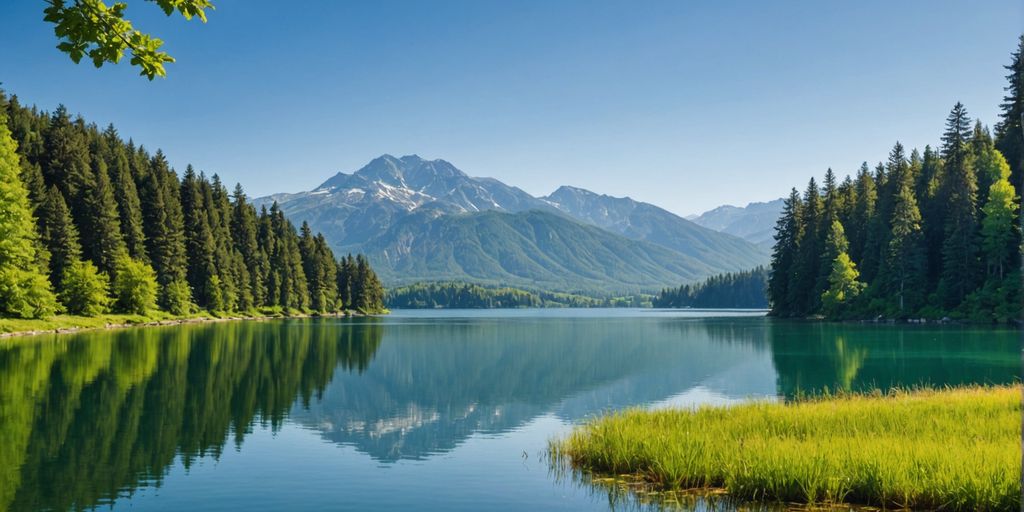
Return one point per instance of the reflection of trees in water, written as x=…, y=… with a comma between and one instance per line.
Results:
x=433, y=385
x=810, y=357
x=83, y=418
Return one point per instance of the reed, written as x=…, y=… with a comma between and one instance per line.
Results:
x=950, y=449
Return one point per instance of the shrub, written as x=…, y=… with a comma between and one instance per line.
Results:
x=84, y=289
x=135, y=286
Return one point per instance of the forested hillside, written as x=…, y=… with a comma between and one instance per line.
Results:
x=933, y=233
x=91, y=223
x=733, y=290
x=456, y=295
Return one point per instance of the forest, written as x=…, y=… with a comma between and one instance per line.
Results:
x=746, y=290
x=930, y=234
x=93, y=224
x=460, y=295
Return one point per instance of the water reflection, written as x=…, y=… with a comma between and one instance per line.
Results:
x=89, y=418
x=86, y=418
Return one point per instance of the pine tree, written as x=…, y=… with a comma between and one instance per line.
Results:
x=199, y=241
x=960, y=263
x=905, y=267
x=59, y=235
x=788, y=233
x=863, y=211
x=244, y=237
x=165, y=236
x=844, y=286
x=933, y=213
x=999, y=234
x=24, y=290
x=805, y=281
x=1009, y=135
x=67, y=162
x=126, y=194
x=99, y=225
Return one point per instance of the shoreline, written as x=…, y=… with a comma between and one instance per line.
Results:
x=171, y=321
x=824, y=450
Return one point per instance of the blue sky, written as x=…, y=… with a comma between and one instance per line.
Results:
x=687, y=105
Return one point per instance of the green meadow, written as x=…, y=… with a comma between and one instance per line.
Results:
x=951, y=449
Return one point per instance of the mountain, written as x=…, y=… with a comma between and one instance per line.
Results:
x=349, y=209
x=423, y=219
x=644, y=221
x=754, y=222
x=533, y=249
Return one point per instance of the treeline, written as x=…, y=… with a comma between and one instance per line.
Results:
x=457, y=295
x=927, y=234
x=748, y=290
x=93, y=224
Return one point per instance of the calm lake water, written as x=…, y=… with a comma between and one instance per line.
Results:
x=421, y=410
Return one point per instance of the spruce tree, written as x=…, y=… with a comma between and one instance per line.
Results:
x=59, y=235
x=999, y=233
x=126, y=194
x=199, y=241
x=1009, y=135
x=24, y=290
x=863, y=211
x=960, y=248
x=99, y=225
x=905, y=268
x=803, y=288
x=933, y=213
x=788, y=233
x=165, y=235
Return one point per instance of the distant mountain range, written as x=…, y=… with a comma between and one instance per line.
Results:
x=426, y=220
x=753, y=223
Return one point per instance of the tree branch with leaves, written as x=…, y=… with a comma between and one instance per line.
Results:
x=101, y=32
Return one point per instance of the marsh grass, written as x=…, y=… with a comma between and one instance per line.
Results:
x=950, y=449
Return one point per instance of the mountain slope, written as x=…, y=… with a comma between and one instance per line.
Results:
x=754, y=222
x=349, y=209
x=531, y=249
x=427, y=220
x=644, y=221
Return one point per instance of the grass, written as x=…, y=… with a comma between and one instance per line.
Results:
x=950, y=449
x=53, y=323
x=80, y=322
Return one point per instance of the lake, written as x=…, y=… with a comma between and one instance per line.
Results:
x=423, y=410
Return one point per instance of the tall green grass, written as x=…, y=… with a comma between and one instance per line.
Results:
x=953, y=449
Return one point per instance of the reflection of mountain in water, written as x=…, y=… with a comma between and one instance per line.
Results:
x=431, y=386
x=86, y=418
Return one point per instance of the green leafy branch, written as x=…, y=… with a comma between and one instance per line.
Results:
x=91, y=28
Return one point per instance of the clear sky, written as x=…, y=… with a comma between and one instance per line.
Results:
x=687, y=105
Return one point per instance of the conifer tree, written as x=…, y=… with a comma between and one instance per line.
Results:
x=100, y=227
x=66, y=163
x=199, y=241
x=999, y=234
x=125, y=193
x=59, y=235
x=1009, y=136
x=24, y=290
x=788, y=234
x=933, y=213
x=960, y=263
x=863, y=211
x=905, y=267
x=805, y=281
x=165, y=235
